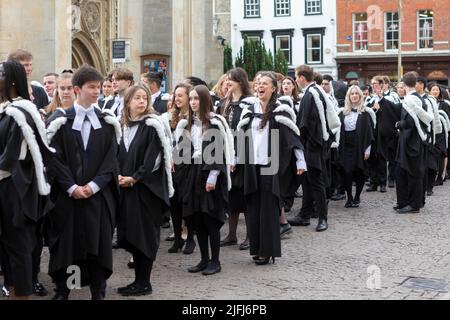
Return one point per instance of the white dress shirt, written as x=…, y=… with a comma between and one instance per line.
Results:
x=128, y=136
x=260, y=139
x=197, y=143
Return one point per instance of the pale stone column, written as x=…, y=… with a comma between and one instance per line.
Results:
x=182, y=40
x=63, y=35
x=198, y=33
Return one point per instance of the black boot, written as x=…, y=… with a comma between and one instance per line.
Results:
x=177, y=246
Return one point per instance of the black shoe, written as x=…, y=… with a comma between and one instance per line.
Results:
x=244, y=245
x=338, y=197
x=39, y=290
x=170, y=237
x=137, y=290
x=177, y=246
x=349, y=204
x=322, y=226
x=285, y=229
x=60, y=297
x=227, y=243
x=200, y=267
x=98, y=296
x=408, y=209
x=212, y=268
x=115, y=245
x=430, y=193
x=356, y=203
x=382, y=189
x=299, y=221
x=5, y=291
x=122, y=289
x=166, y=225
x=372, y=188
x=263, y=261
x=190, y=246
x=439, y=182
x=391, y=184
x=131, y=264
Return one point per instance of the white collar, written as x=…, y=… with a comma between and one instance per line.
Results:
x=82, y=113
x=156, y=95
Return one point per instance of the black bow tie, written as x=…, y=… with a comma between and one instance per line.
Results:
x=354, y=110
x=133, y=123
x=258, y=115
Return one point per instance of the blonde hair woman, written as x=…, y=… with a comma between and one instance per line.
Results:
x=356, y=137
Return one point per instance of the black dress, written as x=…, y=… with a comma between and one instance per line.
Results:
x=142, y=207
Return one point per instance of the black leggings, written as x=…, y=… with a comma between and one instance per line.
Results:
x=176, y=213
x=207, y=227
x=349, y=177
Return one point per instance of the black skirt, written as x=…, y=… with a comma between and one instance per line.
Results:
x=350, y=164
x=236, y=198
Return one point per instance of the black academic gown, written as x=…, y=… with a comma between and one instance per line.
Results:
x=386, y=134
x=160, y=105
x=142, y=207
x=410, y=152
x=269, y=189
x=236, y=196
x=79, y=230
x=194, y=197
x=23, y=173
x=364, y=137
x=317, y=150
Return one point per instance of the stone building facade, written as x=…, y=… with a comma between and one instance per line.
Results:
x=180, y=37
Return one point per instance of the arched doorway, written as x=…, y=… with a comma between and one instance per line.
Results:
x=86, y=51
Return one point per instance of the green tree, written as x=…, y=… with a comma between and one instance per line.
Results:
x=281, y=64
x=227, y=59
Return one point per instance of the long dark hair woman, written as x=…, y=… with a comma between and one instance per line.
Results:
x=146, y=185
x=356, y=138
x=180, y=111
x=205, y=146
x=270, y=174
x=441, y=139
x=24, y=152
x=239, y=97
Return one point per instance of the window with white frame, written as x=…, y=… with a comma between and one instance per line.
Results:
x=313, y=7
x=360, y=34
x=251, y=9
x=283, y=44
x=425, y=27
x=313, y=48
x=282, y=8
x=391, y=30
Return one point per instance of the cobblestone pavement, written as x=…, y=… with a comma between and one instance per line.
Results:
x=341, y=263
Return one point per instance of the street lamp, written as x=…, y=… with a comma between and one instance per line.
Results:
x=400, y=17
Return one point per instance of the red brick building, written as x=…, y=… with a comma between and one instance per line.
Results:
x=368, y=38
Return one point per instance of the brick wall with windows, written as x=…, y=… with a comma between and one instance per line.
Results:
x=434, y=30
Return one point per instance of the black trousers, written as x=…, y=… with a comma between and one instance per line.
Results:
x=430, y=179
x=409, y=189
x=17, y=240
x=378, y=171
x=391, y=170
x=314, y=194
x=37, y=252
x=97, y=275
x=207, y=229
